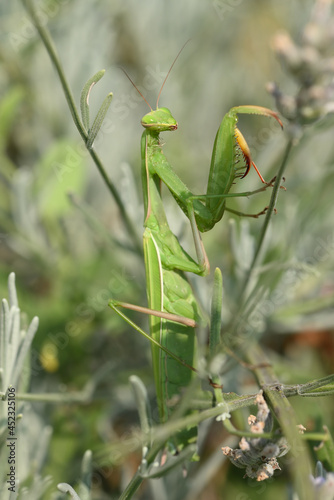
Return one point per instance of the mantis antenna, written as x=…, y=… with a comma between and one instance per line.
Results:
x=163, y=84
x=135, y=86
x=170, y=69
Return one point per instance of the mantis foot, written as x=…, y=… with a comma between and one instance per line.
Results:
x=264, y=211
x=272, y=181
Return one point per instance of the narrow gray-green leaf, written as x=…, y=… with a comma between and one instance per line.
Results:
x=12, y=290
x=98, y=121
x=143, y=404
x=86, y=476
x=66, y=488
x=216, y=309
x=84, y=99
x=24, y=348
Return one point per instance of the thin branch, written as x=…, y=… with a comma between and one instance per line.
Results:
x=268, y=216
x=46, y=39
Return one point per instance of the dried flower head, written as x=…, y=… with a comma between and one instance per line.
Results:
x=311, y=65
x=258, y=455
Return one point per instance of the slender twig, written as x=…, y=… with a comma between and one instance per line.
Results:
x=230, y=331
x=46, y=39
x=132, y=487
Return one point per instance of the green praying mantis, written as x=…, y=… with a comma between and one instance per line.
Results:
x=173, y=309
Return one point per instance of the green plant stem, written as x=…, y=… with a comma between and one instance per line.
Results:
x=267, y=219
x=132, y=487
x=163, y=432
x=46, y=39
x=301, y=464
x=231, y=328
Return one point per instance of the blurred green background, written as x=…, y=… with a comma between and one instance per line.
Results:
x=66, y=252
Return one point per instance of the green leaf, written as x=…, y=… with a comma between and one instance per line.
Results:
x=325, y=451
x=84, y=99
x=98, y=121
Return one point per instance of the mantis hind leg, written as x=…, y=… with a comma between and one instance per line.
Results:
x=243, y=214
x=115, y=305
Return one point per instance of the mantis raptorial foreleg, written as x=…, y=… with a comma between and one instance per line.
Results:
x=228, y=146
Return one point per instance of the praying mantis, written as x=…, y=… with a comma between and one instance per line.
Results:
x=172, y=307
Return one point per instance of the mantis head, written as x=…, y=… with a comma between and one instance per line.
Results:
x=159, y=120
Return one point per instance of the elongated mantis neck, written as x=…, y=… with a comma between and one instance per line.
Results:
x=153, y=137
x=151, y=183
